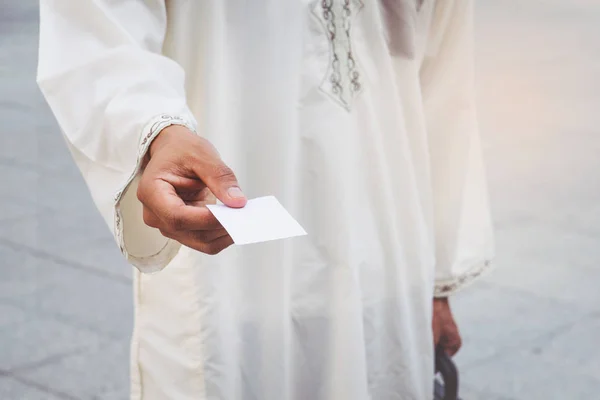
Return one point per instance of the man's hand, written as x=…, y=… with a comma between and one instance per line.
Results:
x=445, y=331
x=185, y=172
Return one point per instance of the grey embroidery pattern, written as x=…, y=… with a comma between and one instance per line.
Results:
x=443, y=289
x=343, y=80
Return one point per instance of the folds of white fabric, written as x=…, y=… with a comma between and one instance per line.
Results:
x=112, y=92
x=345, y=312
x=461, y=216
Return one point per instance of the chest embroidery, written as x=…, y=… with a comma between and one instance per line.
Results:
x=343, y=80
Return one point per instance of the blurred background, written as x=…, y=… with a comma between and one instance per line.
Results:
x=530, y=328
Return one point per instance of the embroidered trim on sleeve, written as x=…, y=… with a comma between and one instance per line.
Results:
x=445, y=288
x=165, y=254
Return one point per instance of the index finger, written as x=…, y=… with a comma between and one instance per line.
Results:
x=161, y=199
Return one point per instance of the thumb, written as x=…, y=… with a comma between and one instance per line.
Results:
x=221, y=180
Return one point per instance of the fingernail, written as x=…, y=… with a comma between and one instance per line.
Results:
x=235, y=193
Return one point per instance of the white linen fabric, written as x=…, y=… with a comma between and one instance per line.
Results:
x=358, y=116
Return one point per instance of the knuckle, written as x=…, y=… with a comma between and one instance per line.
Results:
x=206, y=146
x=140, y=192
x=149, y=219
x=174, y=222
x=187, y=159
x=177, y=223
x=200, y=236
x=166, y=233
x=223, y=173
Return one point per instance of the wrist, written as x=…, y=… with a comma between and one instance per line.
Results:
x=440, y=302
x=166, y=136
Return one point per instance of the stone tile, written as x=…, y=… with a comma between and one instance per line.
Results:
x=66, y=193
x=475, y=348
x=27, y=11
x=22, y=274
x=551, y=263
x=80, y=296
x=33, y=143
x=493, y=319
x=522, y=375
x=13, y=209
x=11, y=389
x=56, y=232
x=11, y=316
x=79, y=237
x=41, y=338
x=102, y=255
x=58, y=159
x=99, y=373
x=37, y=145
x=22, y=146
x=95, y=302
x=574, y=349
x=19, y=184
x=468, y=393
x=531, y=240
x=120, y=394
x=60, y=189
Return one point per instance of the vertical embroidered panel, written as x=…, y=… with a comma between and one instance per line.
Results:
x=343, y=80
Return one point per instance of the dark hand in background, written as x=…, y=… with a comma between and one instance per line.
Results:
x=445, y=330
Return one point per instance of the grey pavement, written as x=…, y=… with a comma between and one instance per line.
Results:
x=530, y=328
x=65, y=292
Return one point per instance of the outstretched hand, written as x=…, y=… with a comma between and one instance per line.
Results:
x=183, y=174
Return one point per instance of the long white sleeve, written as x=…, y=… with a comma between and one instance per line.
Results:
x=462, y=222
x=103, y=75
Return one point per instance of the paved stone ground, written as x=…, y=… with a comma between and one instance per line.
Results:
x=530, y=328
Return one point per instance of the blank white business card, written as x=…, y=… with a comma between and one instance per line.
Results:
x=261, y=220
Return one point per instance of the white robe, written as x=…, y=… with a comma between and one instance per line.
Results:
x=358, y=116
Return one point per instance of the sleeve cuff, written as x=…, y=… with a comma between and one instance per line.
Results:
x=144, y=247
x=447, y=287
